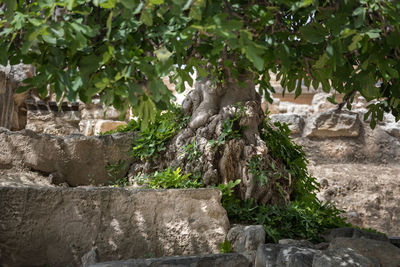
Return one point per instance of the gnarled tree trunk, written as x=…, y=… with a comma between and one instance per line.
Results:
x=210, y=106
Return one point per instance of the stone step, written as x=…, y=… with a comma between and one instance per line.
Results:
x=211, y=260
x=53, y=226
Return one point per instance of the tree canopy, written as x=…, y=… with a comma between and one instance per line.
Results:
x=120, y=49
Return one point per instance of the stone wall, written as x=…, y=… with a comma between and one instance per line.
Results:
x=57, y=226
x=74, y=159
x=332, y=136
x=358, y=167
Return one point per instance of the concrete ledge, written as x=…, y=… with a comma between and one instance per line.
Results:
x=56, y=226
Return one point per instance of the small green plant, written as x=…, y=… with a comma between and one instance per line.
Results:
x=132, y=126
x=113, y=170
x=169, y=178
x=230, y=129
x=150, y=142
x=193, y=153
x=297, y=220
x=281, y=146
x=225, y=247
x=122, y=182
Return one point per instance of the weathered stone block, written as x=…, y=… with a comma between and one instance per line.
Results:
x=80, y=159
x=56, y=227
x=295, y=122
x=333, y=123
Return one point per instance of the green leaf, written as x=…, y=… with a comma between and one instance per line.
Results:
x=108, y=4
x=321, y=62
x=163, y=54
x=11, y=6
x=3, y=54
x=374, y=33
x=147, y=17
x=129, y=4
x=195, y=12
x=356, y=38
x=109, y=22
x=157, y=2
x=314, y=32
x=252, y=53
x=89, y=64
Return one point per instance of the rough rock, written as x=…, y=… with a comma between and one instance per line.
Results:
x=103, y=126
x=297, y=243
x=56, y=123
x=243, y=238
x=369, y=194
x=82, y=160
x=56, y=227
x=90, y=258
x=385, y=253
x=392, y=129
x=295, y=122
x=342, y=257
x=348, y=232
x=276, y=255
x=320, y=102
x=217, y=260
x=333, y=123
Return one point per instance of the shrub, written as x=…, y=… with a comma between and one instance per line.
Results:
x=169, y=178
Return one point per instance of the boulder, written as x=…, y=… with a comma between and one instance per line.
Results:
x=385, y=253
x=294, y=121
x=243, y=238
x=342, y=257
x=81, y=160
x=56, y=226
x=214, y=260
x=333, y=123
x=276, y=255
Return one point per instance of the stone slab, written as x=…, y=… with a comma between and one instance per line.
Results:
x=214, y=260
x=57, y=226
